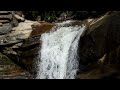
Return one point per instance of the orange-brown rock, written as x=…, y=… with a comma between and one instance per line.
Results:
x=39, y=28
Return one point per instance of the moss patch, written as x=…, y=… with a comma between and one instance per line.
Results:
x=4, y=60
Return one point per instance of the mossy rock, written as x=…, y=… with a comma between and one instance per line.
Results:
x=4, y=60
x=10, y=70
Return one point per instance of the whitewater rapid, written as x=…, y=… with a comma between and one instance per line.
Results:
x=58, y=57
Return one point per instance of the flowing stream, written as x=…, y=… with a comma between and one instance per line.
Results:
x=58, y=54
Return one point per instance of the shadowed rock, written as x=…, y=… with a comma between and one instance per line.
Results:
x=101, y=38
x=9, y=70
x=7, y=21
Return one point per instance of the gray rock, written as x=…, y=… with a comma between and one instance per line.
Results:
x=0, y=24
x=19, y=18
x=14, y=22
x=4, y=21
x=6, y=16
x=5, y=12
x=5, y=29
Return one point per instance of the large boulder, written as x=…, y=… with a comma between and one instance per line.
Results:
x=101, y=38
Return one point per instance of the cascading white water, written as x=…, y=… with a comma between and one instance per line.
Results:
x=58, y=54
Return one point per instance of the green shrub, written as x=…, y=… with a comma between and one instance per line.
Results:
x=51, y=16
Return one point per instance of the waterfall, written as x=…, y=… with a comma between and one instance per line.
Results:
x=58, y=54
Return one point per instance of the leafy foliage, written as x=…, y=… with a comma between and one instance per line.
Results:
x=51, y=16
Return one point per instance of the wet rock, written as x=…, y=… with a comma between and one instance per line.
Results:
x=29, y=50
x=101, y=39
x=95, y=73
x=9, y=70
x=39, y=28
x=93, y=42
